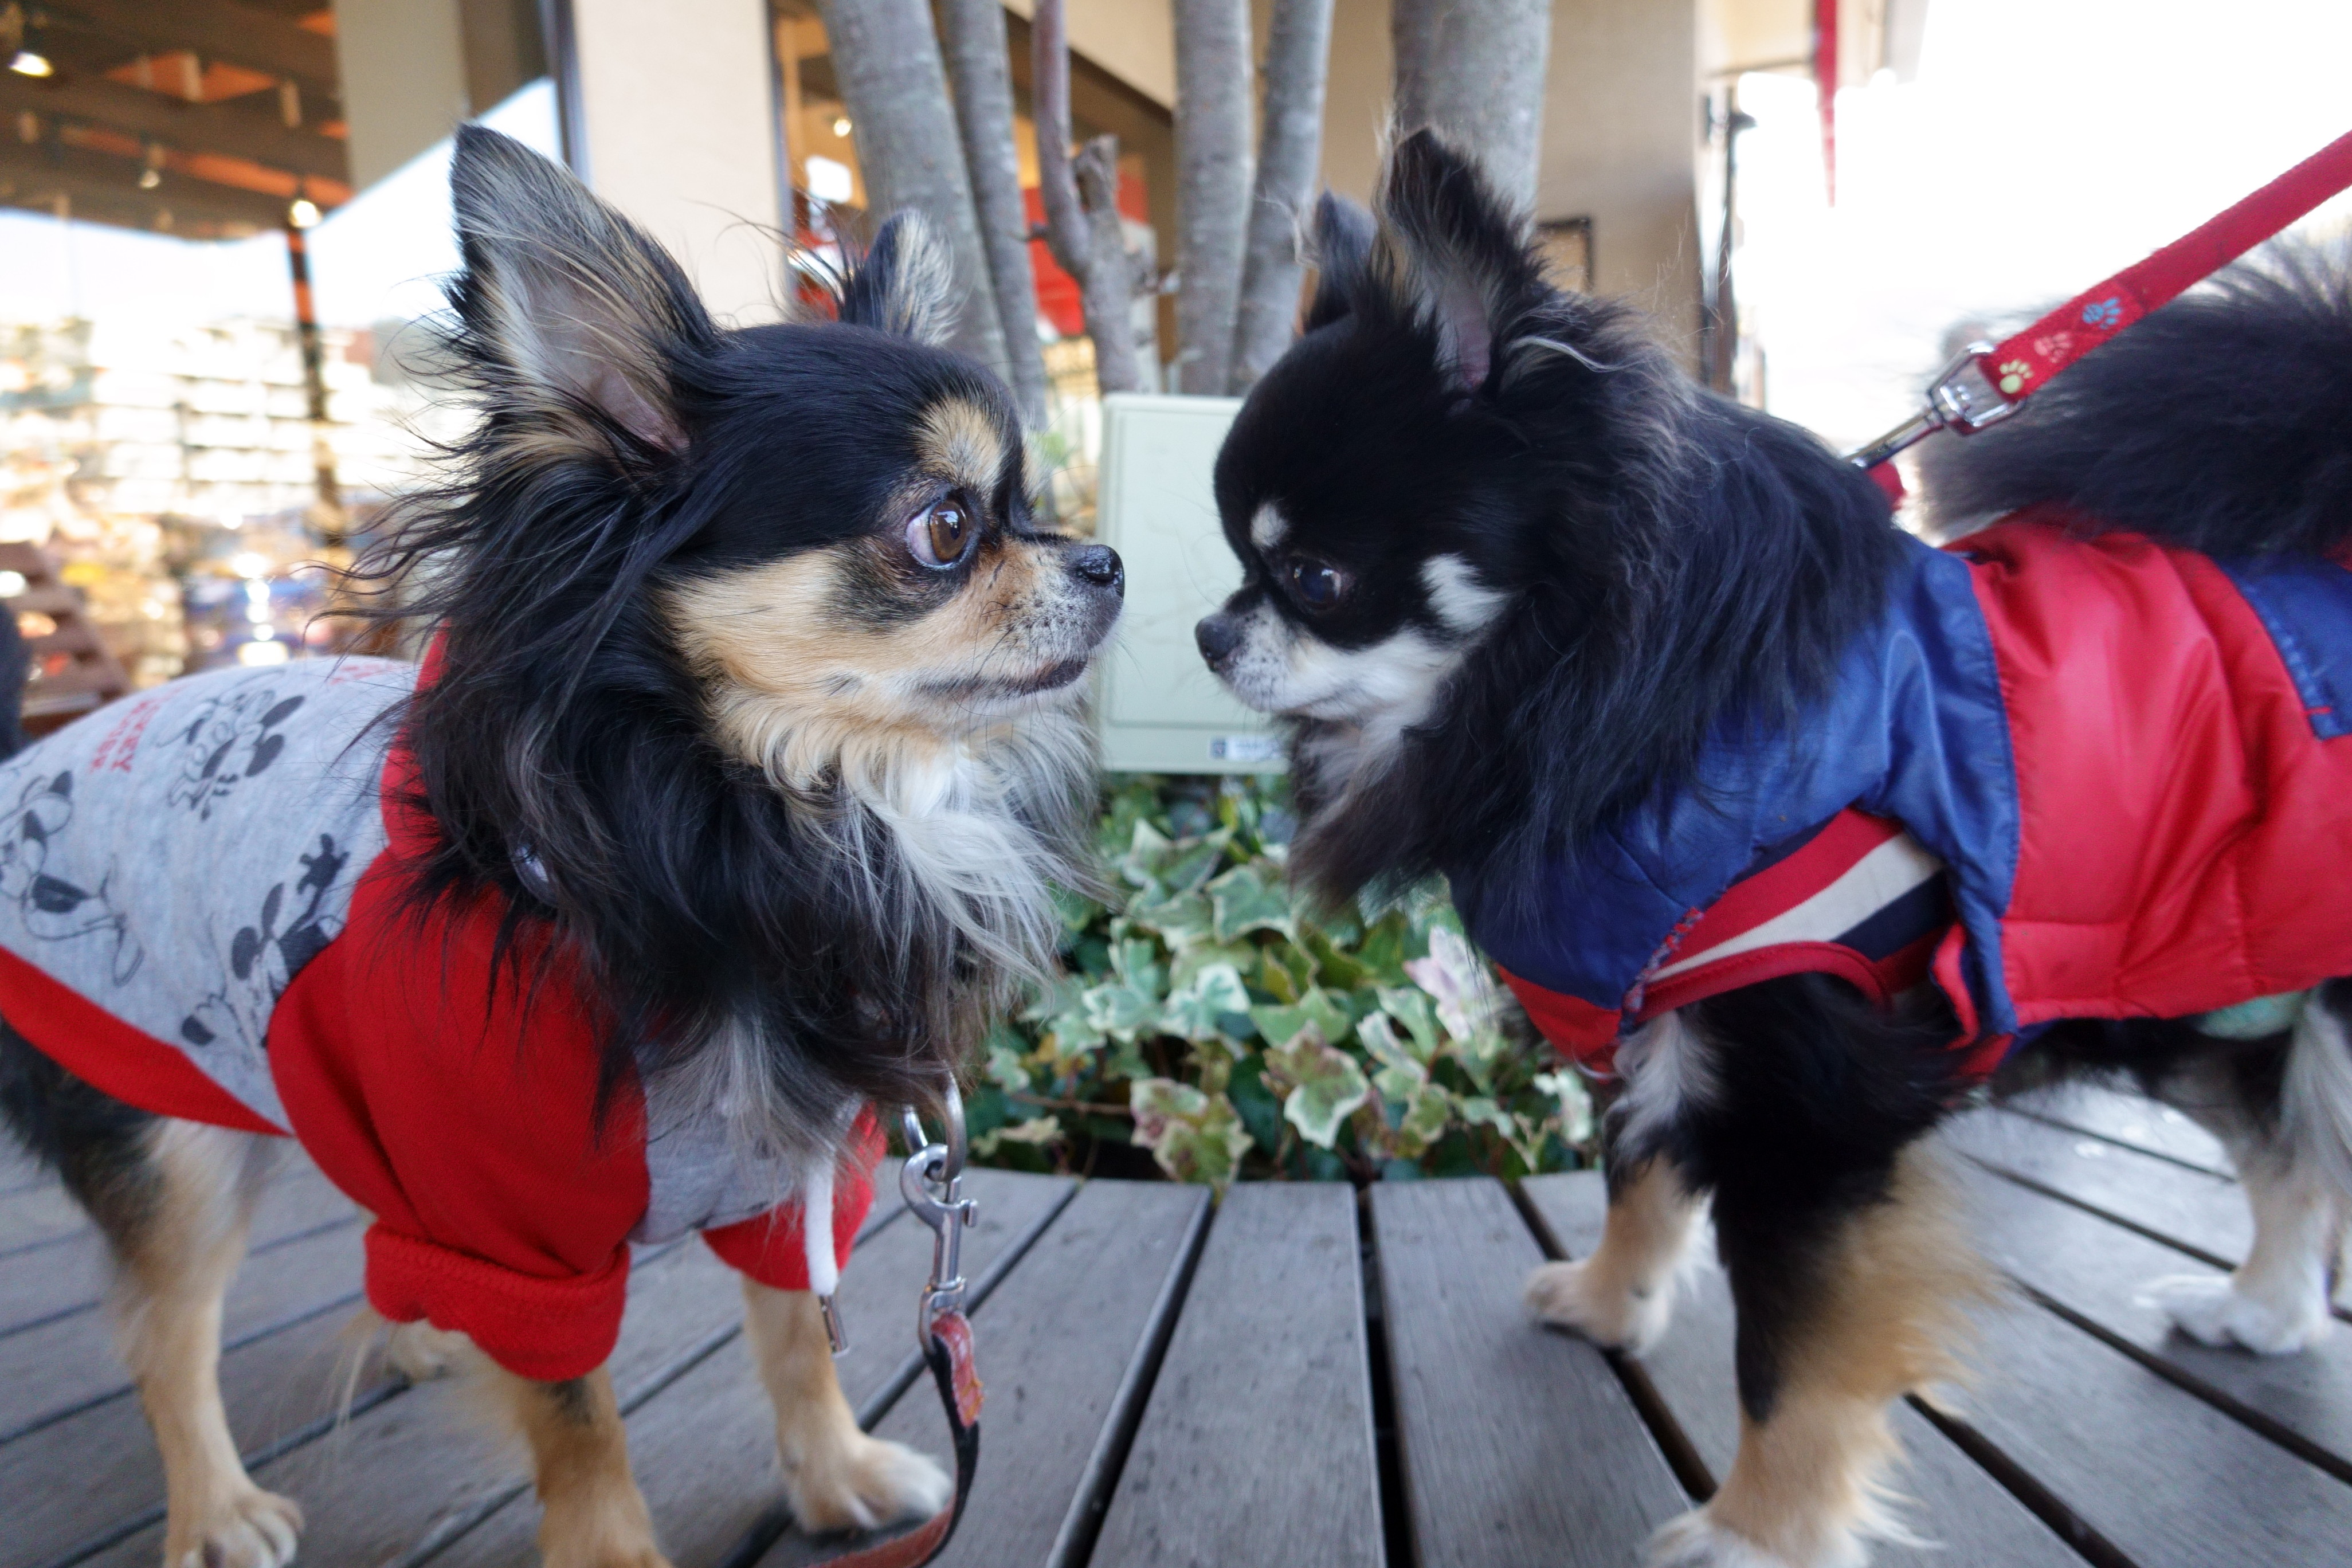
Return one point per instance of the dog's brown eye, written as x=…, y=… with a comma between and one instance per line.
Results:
x=940, y=534
x=1318, y=586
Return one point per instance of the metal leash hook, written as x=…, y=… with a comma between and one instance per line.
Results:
x=1962, y=399
x=932, y=1180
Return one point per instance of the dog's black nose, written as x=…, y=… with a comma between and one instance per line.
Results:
x=1217, y=636
x=1100, y=565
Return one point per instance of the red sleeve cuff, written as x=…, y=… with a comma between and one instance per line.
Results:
x=1580, y=1030
x=768, y=1247
x=547, y=1330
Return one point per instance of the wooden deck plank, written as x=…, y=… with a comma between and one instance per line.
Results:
x=1520, y=1445
x=2163, y=1476
x=19, y=1168
x=2202, y=1214
x=36, y=1214
x=2193, y=1210
x=2131, y=1120
x=71, y=1273
x=398, y=1473
x=1058, y=1356
x=1263, y=1409
x=2098, y=1271
x=70, y=1363
x=96, y=1476
x=704, y=1447
x=1963, y=1514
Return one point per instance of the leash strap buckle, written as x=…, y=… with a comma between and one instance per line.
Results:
x=1963, y=399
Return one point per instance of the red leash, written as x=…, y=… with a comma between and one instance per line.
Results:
x=1990, y=382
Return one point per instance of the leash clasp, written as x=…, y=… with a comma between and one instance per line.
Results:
x=1963, y=399
x=932, y=1180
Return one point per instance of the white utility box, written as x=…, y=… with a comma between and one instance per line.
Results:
x=1161, y=710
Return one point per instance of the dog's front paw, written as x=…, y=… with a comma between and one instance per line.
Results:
x=2220, y=1311
x=1697, y=1540
x=865, y=1483
x=244, y=1528
x=1571, y=1296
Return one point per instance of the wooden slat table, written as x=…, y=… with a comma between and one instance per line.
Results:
x=1305, y=1377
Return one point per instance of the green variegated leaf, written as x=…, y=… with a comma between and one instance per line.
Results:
x=1412, y=1008
x=1326, y=1085
x=1317, y=1009
x=1147, y=851
x=1399, y=1071
x=1194, y=864
x=1038, y=1131
x=1575, y=1104
x=1243, y=901
x=1136, y=962
x=1194, y=1136
x=1426, y=1112
x=1480, y=1054
x=1481, y=1110
x=1238, y=955
x=1006, y=1068
x=1194, y=1011
x=1119, y=1010
x=1076, y=910
x=1179, y=921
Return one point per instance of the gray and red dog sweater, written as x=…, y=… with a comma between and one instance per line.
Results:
x=202, y=914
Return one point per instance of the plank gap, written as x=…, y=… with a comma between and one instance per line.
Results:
x=1396, y=1517
x=2245, y=1414
x=771, y=1526
x=1682, y=1455
x=1080, y=1528
x=2044, y=1504
x=92, y=1303
x=285, y=1443
x=2061, y=1125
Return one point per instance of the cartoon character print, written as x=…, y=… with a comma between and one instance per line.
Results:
x=231, y=739
x=264, y=958
x=55, y=908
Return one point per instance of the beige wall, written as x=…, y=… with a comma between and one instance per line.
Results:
x=1621, y=137
x=1134, y=40
x=403, y=67
x=681, y=135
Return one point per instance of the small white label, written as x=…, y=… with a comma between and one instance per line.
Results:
x=1244, y=748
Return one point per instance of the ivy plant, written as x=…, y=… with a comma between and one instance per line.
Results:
x=1208, y=1016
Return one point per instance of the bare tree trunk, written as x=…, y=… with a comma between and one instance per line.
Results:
x=1084, y=235
x=1212, y=184
x=1290, y=146
x=974, y=34
x=887, y=63
x=1475, y=72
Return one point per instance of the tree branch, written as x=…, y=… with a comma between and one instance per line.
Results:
x=973, y=32
x=1212, y=184
x=1084, y=236
x=1477, y=73
x=1290, y=144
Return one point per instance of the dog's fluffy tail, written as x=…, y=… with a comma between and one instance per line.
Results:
x=2222, y=422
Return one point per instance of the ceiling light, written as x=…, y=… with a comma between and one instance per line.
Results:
x=304, y=213
x=149, y=179
x=840, y=121
x=27, y=63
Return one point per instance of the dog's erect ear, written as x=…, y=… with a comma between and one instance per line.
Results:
x=1343, y=257
x=1454, y=251
x=904, y=284
x=571, y=311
